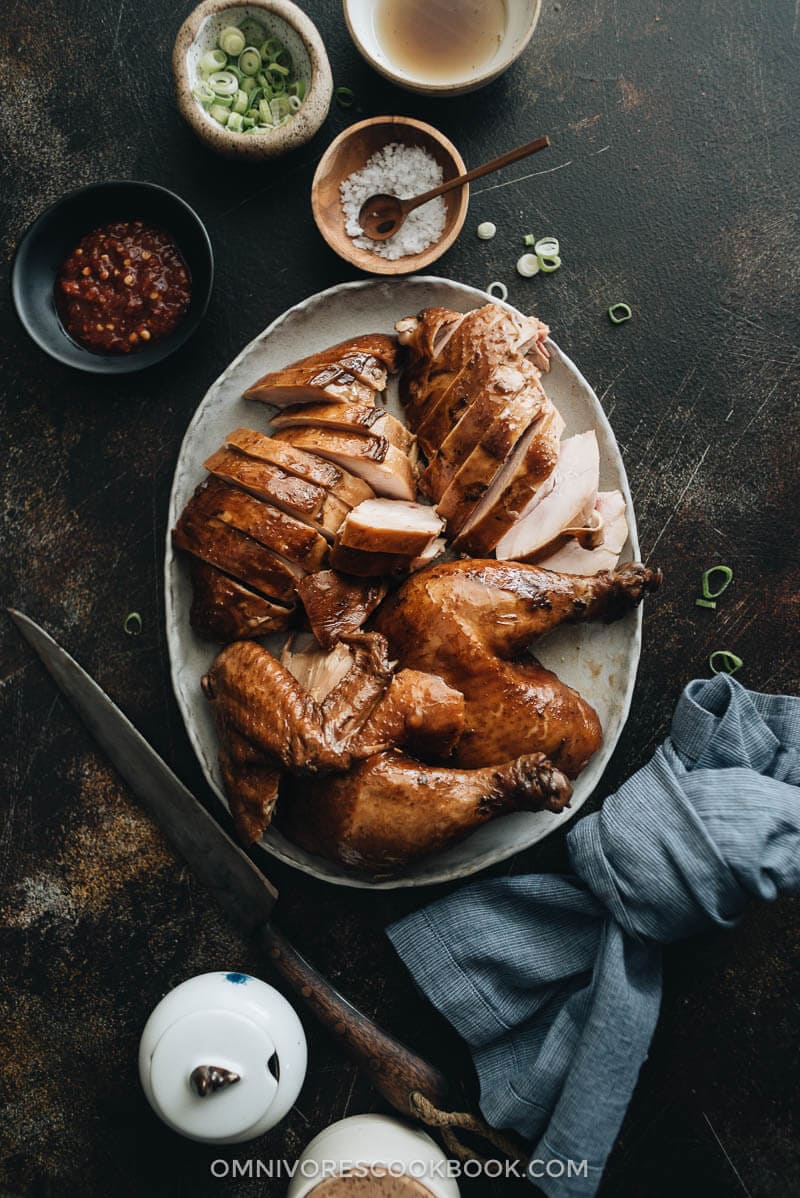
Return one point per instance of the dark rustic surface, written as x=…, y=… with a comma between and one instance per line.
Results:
x=672, y=183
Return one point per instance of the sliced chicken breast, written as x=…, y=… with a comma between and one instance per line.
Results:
x=304, y=500
x=336, y=605
x=345, y=486
x=423, y=338
x=482, y=466
x=236, y=554
x=350, y=372
x=291, y=539
x=430, y=554
x=353, y=417
x=390, y=526
x=317, y=670
x=528, y=468
x=224, y=609
x=575, y=558
x=361, y=563
x=386, y=469
x=573, y=492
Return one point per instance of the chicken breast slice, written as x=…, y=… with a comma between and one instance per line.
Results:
x=386, y=469
x=574, y=558
x=348, y=372
x=224, y=609
x=343, y=485
x=390, y=526
x=573, y=492
x=305, y=500
x=358, y=418
x=237, y=554
x=529, y=467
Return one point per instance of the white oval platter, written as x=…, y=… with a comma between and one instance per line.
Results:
x=599, y=660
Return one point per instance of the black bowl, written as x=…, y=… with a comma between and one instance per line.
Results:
x=49, y=240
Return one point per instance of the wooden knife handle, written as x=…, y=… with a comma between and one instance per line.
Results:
x=394, y=1070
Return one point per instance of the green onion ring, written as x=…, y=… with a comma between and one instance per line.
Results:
x=224, y=83
x=133, y=624
x=706, y=603
x=731, y=662
x=213, y=60
x=530, y=239
x=345, y=97
x=249, y=61
x=231, y=41
x=501, y=294
x=727, y=578
x=547, y=247
x=548, y=262
x=619, y=313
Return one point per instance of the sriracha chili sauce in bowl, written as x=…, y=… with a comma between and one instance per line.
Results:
x=114, y=277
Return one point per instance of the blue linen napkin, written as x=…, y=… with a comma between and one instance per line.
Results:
x=555, y=982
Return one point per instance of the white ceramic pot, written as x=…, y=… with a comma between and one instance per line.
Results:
x=373, y=1141
x=222, y=1058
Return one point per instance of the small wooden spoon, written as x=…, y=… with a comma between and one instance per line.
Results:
x=382, y=215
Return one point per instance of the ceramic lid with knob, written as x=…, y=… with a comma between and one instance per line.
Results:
x=222, y=1058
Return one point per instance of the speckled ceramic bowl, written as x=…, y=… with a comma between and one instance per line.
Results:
x=281, y=19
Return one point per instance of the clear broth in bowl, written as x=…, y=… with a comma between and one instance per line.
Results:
x=440, y=40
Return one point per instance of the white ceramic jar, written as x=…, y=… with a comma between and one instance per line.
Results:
x=372, y=1141
x=222, y=1058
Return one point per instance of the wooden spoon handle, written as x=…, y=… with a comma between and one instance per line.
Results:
x=477, y=172
x=394, y=1070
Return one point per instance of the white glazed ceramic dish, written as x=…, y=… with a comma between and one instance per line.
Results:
x=522, y=17
x=599, y=660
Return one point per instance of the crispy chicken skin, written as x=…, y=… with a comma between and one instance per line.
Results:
x=226, y=610
x=471, y=621
x=337, y=605
x=390, y=810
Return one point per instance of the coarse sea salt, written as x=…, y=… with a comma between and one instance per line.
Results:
x=402, y=171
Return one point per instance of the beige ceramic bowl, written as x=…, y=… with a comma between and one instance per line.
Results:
x=348, y=153
x=522, y=18
x=281, y=19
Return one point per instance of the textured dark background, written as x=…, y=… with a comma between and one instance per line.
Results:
x=672, y=184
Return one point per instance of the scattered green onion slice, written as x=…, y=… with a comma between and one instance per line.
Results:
x=248, y=84
x=204, y=93
x=530, y=239
x=219, y=113
x=235, y=122
x=213, y=60
x=270, y=49
x=241, y=103
x=224, y=101
x=726, y=574
x=705, y=603
x=498, y=290
x=528, y=266
x=231, y=41
x=298, y=88
x=548, y=262
x=276, y=68
x=619, y=313
x=486, y=230
x=247, y=123
x=548, y=247
x=249, y=61
x=345, y=97
x=295, y=103
x=729, y=662
x=133, y=624
x=224, y=83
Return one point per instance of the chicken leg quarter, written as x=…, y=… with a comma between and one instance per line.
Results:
x=471, y=621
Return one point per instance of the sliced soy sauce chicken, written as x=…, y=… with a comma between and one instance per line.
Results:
x=597, y=546
x=291, y=539
x=338, y=605
x=388, y=811
x=348, y=418
x=386, y=469
x=471, y=622
x=390, y=526
x=350, y=372
x=527, y=470
x=224, y=609
x=422, y=339
x=350, y=489
x=564, y=502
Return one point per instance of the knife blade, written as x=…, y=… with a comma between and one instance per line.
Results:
x=243, y=890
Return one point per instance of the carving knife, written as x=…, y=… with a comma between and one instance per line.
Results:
x=246, y=894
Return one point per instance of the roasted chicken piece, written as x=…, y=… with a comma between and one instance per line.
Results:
x=338, y=605
x=390, y=526
x=353, y=418
x=236, y=554
x=308, y=466
x=386, y=469
x=471, y=621
x=390, y=810
x=224, y=609
x=350, y=372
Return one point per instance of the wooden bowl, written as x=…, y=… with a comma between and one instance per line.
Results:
x=348, y=153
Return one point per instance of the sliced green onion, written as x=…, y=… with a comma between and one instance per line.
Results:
x=275, y=67
x=224, y=101
x=205, y=94
x=729, y=662
x=270, y=49
x=234, y=70
x=298, y=88
x=232, y=41
x=213, y=60
x=486, y=230
x=548, y=263
x=133, y=624
x=725, y=572
x=706, y=603
x=219, y=113
x=530, y=239
x=264, y=112
x=254, y=32
x=619, y=313
x=224, y=83
x=528, y=266
x=241, y=102
x=548, y=247
x=247, y=123
x=248, y=84
x=295, y=103
x=345, y=97
x=497, y=290
x=249, y=61
x=235, y=122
